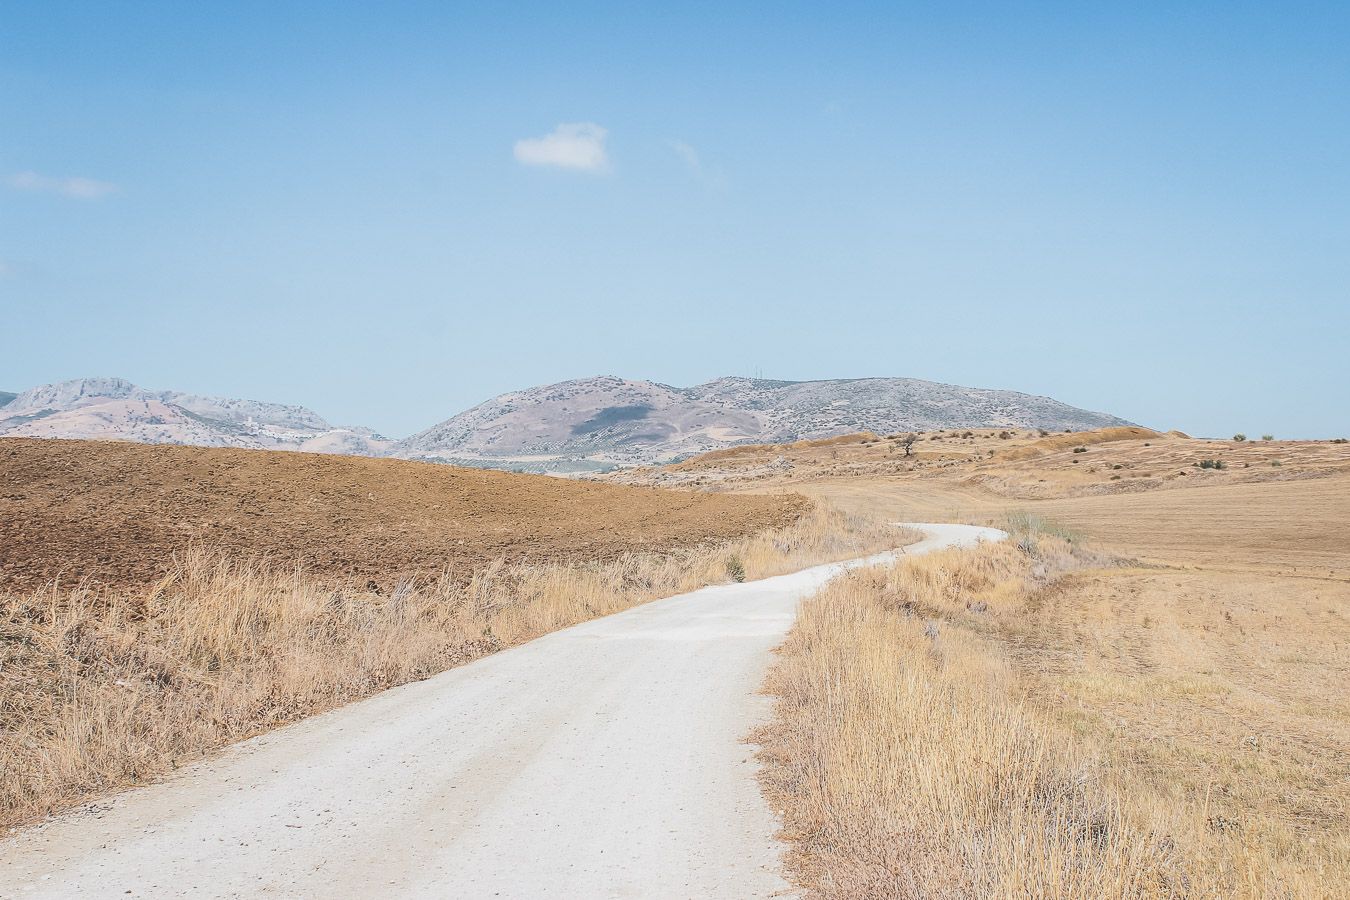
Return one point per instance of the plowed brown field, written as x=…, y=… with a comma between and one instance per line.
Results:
x=118, y=512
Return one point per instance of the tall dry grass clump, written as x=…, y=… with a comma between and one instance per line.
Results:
x=910, y=756
x=104, y=689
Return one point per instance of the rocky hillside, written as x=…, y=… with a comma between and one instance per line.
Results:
x=586, y=425
x=597, y=423
x=116, y=409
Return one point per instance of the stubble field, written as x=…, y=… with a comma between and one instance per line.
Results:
x=1179, y=682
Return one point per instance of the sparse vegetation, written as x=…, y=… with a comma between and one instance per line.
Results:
x=106, y=688
x=966, y=725
x=1021, y=523
x=1267, y=437
x=1239, y=437
x=1210, y=464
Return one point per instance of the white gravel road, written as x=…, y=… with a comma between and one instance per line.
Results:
x=603, y=761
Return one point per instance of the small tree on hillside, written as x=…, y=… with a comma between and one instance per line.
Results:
x=908, y=442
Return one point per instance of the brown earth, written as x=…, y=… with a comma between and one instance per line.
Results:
x=117, y=513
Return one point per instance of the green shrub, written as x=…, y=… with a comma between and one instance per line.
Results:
x=1239, y=437
x=735, y=569
x=1267, y=437
x=1210, y=464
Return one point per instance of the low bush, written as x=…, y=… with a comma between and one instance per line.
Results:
x=735, y=569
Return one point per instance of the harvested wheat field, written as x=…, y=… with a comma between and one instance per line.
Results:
x=1299, y=527
x=1039, y=719
x=118, y=512
x=1147, y=694
x=1016, y=465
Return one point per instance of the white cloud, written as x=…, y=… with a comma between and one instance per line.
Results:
x=572, y=145
x=689, y=155
x=75, y=188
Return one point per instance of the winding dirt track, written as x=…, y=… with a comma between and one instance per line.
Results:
x=605, y=760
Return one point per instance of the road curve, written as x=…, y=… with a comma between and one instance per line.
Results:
x=602, y=761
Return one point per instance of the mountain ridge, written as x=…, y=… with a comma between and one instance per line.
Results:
x=571, y=427
x=590, y=423
x=103, y=408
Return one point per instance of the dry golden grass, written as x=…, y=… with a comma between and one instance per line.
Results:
x=1011, y=466
x=1028, y=720
x=103, y=689
x=1201, y=704
x=1295, y=528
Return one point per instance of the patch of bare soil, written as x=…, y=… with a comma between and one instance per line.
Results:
x=117, y=513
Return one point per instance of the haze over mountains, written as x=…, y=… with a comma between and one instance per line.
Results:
x=115, y=409
x=587, y=424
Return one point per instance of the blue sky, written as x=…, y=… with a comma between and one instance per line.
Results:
x=389, y=212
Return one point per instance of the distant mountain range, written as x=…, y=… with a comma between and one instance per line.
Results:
x=115, y=409
x=586, y=425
